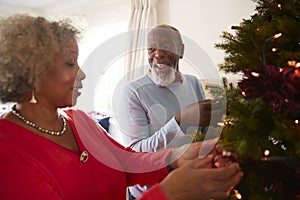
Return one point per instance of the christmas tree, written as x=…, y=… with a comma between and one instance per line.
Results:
x=263, y=109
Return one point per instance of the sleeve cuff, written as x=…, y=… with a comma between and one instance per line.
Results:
x=154, y=193
x=173, y=127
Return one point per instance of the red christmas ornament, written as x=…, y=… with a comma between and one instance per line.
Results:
x=297, y=71
x=292, y=68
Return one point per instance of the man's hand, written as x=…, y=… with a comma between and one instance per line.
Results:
x=202, y=113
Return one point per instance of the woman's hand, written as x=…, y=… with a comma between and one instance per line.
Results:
x=193, y=181
x=191, y=151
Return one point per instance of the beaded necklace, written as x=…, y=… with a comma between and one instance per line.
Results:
x=58, y=133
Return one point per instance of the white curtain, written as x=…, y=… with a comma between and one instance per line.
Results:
x=143, y=16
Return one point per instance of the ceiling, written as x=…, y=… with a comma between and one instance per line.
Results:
x=55, y=6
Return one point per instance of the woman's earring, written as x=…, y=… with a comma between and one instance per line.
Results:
x=33, y=100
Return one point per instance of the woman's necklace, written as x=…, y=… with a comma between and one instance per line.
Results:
x=64, y=128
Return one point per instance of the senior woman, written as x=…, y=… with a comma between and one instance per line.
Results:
x=50, y=151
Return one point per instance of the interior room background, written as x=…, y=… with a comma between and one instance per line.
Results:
x=200, y=20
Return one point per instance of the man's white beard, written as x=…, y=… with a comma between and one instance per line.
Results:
x=165, y=78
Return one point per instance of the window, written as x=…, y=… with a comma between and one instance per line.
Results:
x=108, y=80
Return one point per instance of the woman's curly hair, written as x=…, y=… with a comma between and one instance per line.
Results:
x=28, y=48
